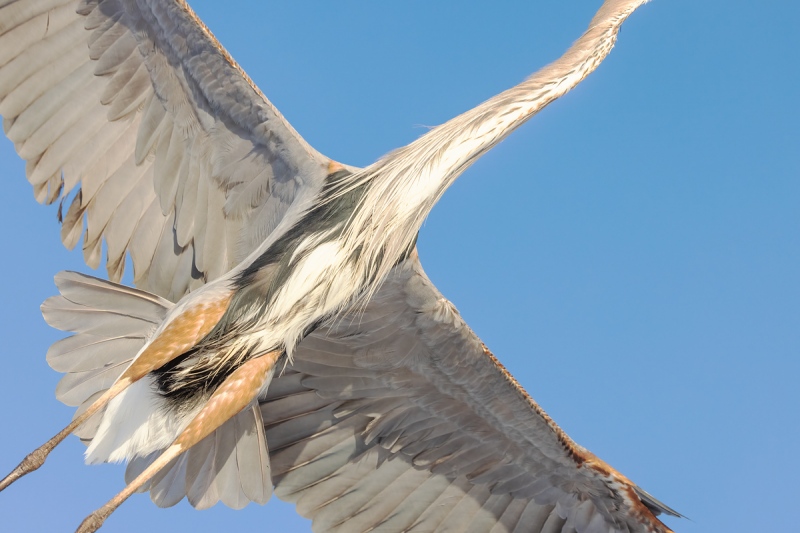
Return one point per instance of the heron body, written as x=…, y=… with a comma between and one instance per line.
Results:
x=296, y=284
x=356, y=230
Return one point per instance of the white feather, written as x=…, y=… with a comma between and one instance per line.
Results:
x=136, y=423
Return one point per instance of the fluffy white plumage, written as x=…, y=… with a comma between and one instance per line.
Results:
x=135, y=424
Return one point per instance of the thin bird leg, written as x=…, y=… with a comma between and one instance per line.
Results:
x=235, y=393
x=178, y=336
x=36, y=458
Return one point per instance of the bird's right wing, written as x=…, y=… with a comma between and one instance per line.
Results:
x=393, y=417
x=397, y=418
x=180, y=160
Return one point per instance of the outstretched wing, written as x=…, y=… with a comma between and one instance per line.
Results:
x=177, y=157
x=393, y=417
x=400, y=419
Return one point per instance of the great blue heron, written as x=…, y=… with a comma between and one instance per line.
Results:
x=277, y=258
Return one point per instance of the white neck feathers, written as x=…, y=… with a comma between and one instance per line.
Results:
x=405, y=185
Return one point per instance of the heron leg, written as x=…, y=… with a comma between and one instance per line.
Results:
x=233, y=395
x=178, y=336
x=36, y=458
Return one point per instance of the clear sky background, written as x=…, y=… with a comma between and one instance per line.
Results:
x=632, y=254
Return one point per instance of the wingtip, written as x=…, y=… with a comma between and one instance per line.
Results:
x=655, y=505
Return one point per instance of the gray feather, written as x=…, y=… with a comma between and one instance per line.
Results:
x=434, y=512
x=252, y=455
x=34, y=86
x=83, y=352
x=75, y=387
x=17, y=14
x=403, y=516
x=489, y=514
x=38, y=56
x=290, y=484
x=535, y=516
x=88, y=429
x=145, y=240
x=227, y=480
x=50, y=114
x=121, y=227
x=115, y=189
x=383, y=502
x=292, y=406
x=201, y=489
x=510, y=517
x=167, y=486
x=111, y=49
x=61, y=69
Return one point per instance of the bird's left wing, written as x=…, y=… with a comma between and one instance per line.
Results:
x=397, y=418
x=178, y=158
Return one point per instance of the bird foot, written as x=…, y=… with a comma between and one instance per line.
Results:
x=93, y=522
x=33, y=461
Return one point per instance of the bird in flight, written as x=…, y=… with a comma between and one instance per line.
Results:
x=283, y=335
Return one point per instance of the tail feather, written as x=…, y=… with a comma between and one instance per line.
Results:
x=75, y=388
x=82, y=352
x=111, y=297
x=112, y=323
x=88, y=429
x=230, y=465
x=168, y=487
x=93, y=306
x=65, y=315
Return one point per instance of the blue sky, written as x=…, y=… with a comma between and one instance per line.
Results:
x=632, y=254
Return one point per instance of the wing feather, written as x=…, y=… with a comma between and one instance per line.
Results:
x=72, y=141
x=144, y=241
x=508, y=520
x=35, y=57
x=51, y=109
x=21, y=89
x=396, y=416
x=109, y=198
x=382, y=502
x=93, y=93
x=122, y=225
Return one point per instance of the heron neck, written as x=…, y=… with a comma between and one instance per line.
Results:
x=462, y=140
x=403, y=187
x=408, y=182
